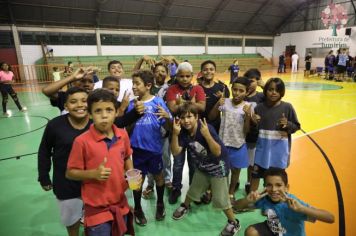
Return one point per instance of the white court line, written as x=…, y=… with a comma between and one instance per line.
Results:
x=327, y=127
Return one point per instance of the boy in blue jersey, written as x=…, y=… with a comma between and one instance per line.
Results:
x=147, y=141
x=285, y=212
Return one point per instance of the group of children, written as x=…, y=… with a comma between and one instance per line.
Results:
x=91, y=153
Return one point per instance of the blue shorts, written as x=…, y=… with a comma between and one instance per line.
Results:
x=147, y=162
x=238, y=157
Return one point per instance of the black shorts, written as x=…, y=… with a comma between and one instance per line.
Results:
x=341, y=69
x=258, y=171
x=308, y=65
x=263, y=229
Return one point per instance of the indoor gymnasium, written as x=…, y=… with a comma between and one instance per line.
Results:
x=47, y=46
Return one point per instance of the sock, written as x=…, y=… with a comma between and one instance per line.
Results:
x=137, y=199
x=160, y=193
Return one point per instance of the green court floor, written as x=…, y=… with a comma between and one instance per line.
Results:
x=26, y=210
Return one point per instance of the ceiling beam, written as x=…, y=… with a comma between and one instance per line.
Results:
x=165, y=9
x=215, y=14
x=295, y=11
x=253, y=17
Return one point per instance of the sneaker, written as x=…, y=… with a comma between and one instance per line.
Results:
x=206, y=198
x=173, y=196
x=6, y=114
x=24, y=109
x=181, y=211
x=247, y=188
x=147, y=193
x=160, y=212
x=140, y=218
x=231, y=228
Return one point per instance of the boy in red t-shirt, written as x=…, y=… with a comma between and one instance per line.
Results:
x=99, y=158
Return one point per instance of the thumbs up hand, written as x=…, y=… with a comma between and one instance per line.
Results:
x=283, y=122
x=102, y=173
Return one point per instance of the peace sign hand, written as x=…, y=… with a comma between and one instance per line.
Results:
x=176, y=126
x=204, y=128
x=254, y=196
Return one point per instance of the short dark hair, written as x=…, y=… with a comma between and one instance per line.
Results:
x=242, y=80
x=160, y=64
x=187, y=107
x=279, y=84
x=72, y=91
x=276, y=172
x=253, y=73
x=145, y=75
x=108, y=79
x=114, y=62
x=101, y=95
x=69, y=62
x=55, y=68
x=207, y=62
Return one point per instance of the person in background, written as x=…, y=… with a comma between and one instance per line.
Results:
x=308, y=61
x=234, y=70
x=6, y=78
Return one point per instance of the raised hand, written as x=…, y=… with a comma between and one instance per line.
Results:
x=179, y=99
x=102, y=173
x=292, y=203
x=176, y=126
x=247, y=109
x=204, y=129
x=139, y=106
x=260, y=83
x=254, y=196
x=161, y=113
x=125, y=100
x=283, y=122
x=219, y=93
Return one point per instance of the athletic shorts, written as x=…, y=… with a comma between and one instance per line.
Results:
x=147, y=162
x=251, y=150
x=70, y=210
x=258, y=171
x=341, y=69
x=263, y=229
x=238, y=157
x=307, y=65
x=219, y=189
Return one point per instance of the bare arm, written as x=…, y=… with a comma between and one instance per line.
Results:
x=175, y=148
x=247, y=120
x=215, y=112
x=318, y=214
x=128, y=164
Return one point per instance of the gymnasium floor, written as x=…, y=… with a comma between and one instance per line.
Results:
x=321, y=170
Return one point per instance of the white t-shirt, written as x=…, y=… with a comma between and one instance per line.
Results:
x=125, y=84
x=295, y=58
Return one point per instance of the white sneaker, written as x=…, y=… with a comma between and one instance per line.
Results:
x=24, y=109
x=6, y=114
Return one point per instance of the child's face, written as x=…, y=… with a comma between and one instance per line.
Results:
x=139, y=88
x=184, y=78
x=103, y=115
x=272, y=94
x=253, y=85
x=5, y=67
x=275, y=187
x=113, y=87
x=76, y=105
x=87, y=83
x=209, y=71
x=239, y=92
x=188, y=121
x=160, y=75
x=116, y=70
